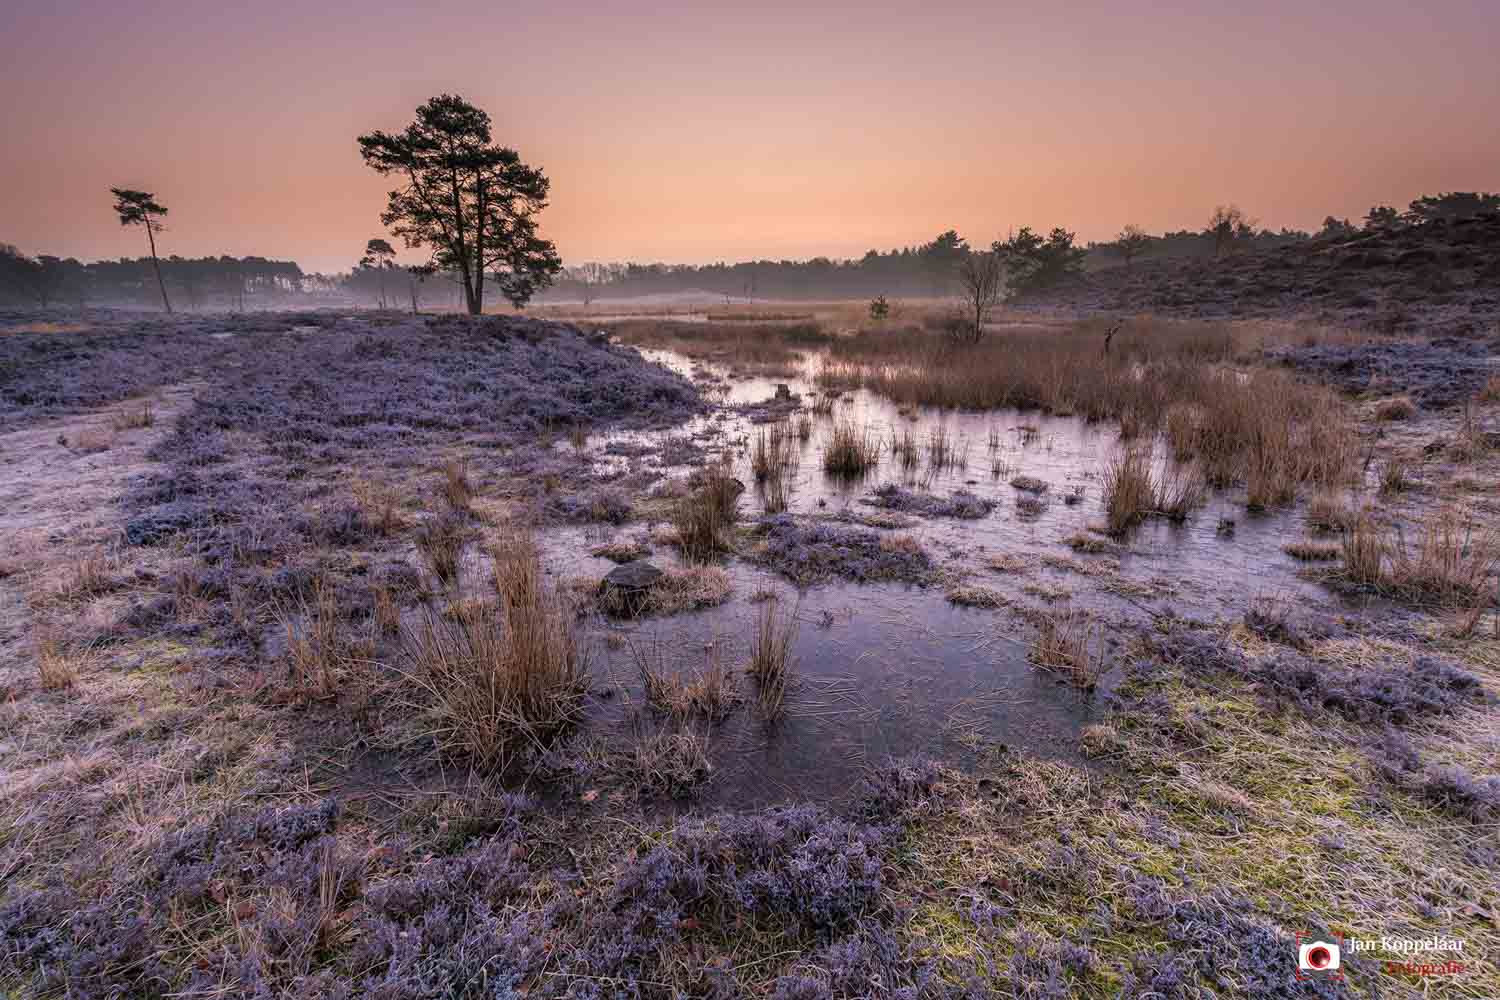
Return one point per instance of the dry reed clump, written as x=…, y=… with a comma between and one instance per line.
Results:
x=1451, y=562
x=775, y=491
x=1490, y=391
x=1364, y=550
x=380, y=505
x=441, y=541
x=774, y=450
x=1088, y=544
x=1328, y=512
x=501, y=677
x=317, y=652
x=134, y=417
x=671, y=762
x=944, y=451
x=1393, y=478
x=456, y=487
x=804, y=427
x=904, y=450
x=1129, y=492
x=1070, y=643
x=771, y=660
x=704, y=518
x=88, y=576
x=852, y=450
x=1029, y=484
x=969, y=596
x=678, y=590
x=711, y=692
x=1310, y=551
x=1395, y=408
x=621, y=550
x=387, y=613
x=55, y=668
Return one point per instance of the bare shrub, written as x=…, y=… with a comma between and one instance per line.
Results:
x=982, y=276
x=499, y=677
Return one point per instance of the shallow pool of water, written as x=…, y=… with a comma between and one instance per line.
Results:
x=889, y=669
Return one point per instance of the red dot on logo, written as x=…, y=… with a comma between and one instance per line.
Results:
x=1319, y=958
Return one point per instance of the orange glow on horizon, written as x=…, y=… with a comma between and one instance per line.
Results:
x=682, y=133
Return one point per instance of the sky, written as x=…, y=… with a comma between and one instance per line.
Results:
x=698, y=132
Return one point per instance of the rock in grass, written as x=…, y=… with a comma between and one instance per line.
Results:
x=627, y=587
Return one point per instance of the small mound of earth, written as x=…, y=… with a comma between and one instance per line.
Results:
x=961, y=504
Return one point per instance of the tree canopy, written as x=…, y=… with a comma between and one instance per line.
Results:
x=470, y=202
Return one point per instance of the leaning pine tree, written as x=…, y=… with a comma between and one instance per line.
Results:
x=471, y=202
x=140, y=208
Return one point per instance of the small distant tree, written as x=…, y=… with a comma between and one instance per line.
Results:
x=471, y=202
x=1337, y=229
x=1381, y=218
x=140, y=208
x=880, y=308
x=380, y=257
x=417, y=276
x=982, y=276
x=1228, y=224
x=1131, y=242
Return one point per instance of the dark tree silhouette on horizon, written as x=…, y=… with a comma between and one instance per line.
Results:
x=380, y=257
x=471, y=202
x=140, y=208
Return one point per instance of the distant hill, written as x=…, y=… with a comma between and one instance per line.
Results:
x=1441, y=276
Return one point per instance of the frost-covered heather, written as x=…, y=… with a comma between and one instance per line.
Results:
x=1394, y=692
x=961, y=504
x=810, y=551
x=485, y=921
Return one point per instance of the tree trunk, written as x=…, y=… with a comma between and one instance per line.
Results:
x=156, y=266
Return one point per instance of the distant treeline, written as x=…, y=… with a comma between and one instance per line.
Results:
x=925, y=270
x=200, y=283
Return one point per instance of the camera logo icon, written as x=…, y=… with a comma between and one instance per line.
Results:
x=1319, y=957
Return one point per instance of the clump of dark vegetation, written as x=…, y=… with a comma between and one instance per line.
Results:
x=961, y=504
x=807, y=552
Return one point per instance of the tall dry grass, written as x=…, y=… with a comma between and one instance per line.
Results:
x=499, y=678
x=770, y=656
x=703, y=519
x=852, y=449
x=1264, y=428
